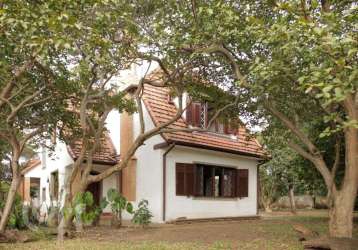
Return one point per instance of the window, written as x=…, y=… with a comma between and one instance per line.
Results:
x=199, y=114
x=211, y=181
x=196, y=114
x=54, y=186
x=43, y=194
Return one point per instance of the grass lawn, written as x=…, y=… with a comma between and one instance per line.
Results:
x=274, y=231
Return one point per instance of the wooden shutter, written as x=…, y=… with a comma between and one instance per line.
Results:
x=185, y=179
x=189, y=179
x=170, y=99
x=196, y=114
x=180, y=178
x=189, y=113
x=193, y=114
x=242, y=183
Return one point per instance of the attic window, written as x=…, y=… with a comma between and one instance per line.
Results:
x=199, y=114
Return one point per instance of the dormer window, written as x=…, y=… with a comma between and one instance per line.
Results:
x=198, y=115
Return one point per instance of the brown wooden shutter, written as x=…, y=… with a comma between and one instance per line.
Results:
x=227, y=129
x=242, y=183
x=189, y=113
x=189, y=179
x=180, y=178
x=196, y=114
x=170, y=99
x=185, y=178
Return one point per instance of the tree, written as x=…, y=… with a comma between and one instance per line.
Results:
x=286, y=173
x=277, y=178
x=293, y=64
x=32, y=83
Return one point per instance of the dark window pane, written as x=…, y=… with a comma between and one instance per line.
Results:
x=199, y=185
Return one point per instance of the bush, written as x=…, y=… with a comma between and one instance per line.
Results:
x=16, y=219
x=142, y=216
x=84, y=210
x=118, y=203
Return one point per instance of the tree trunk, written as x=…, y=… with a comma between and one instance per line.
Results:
x=267, y=207
x=117, y=220
x=341, y=215
x=71, y=189
x=9, y=202
x=341, y=211
x=266, y=203
x=291, y=196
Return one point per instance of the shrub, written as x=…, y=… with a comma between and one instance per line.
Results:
x=84, y=210
x=118, y=203
x=142, y=216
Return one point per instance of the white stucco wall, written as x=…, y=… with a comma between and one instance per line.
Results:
x=113, y=127
x=190, y=207
x=149, y=172
x=36, y=172
x=51, y=161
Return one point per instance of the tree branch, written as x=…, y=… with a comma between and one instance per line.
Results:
x=337, y=156
x=217, y=48
x=16, y=109
x=292, y=127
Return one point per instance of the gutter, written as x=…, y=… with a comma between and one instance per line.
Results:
x=194, y=145
x=171, y=146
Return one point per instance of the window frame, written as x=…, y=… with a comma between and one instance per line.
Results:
x=196, y=192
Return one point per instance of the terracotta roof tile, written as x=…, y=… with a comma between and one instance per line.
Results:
x=105, y=154
x=156, y=101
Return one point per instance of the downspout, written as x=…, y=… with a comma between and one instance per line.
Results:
x=164, y=177
x=257, y=189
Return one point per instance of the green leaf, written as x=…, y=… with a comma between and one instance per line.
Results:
x=129, y=208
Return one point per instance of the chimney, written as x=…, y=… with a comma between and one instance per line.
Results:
x=127, y=177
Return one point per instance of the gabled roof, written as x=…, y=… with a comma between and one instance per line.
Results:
x=160, y=110
x=31, y=164
x=105, y=153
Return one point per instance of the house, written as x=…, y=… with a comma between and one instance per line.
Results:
x=183, y=175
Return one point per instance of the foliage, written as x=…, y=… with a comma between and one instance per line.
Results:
x=31, y=214
x=142, y=216
x=285, y=167
x=118, y=203
x=83, y=208
x=304, y=62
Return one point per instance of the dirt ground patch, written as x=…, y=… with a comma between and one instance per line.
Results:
x=272, y=232
x=204, y=232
